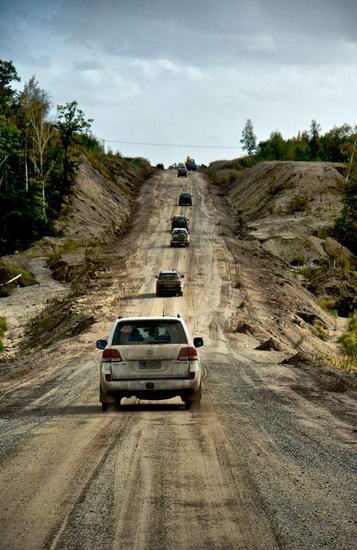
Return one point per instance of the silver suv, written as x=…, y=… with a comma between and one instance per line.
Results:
x=180, y=237
x=150, y=358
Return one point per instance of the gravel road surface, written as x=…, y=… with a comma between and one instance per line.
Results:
x=263, y=464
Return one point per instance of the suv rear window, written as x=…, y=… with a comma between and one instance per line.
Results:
x=149, y=332
x=168, y=276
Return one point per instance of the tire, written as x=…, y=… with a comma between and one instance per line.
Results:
x=195, y=400
x=197, y=396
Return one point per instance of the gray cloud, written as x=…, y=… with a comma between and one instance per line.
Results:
x=189, y=71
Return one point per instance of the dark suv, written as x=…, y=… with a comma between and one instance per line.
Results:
x=169, y=282
x=185, y=199
x=191, y=165
x=181, y=171
x=179, y=222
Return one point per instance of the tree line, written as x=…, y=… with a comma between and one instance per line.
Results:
x=337, y=145
x=39, y=155
x=308, y=145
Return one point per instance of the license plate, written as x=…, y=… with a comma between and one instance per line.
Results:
x=149, y=365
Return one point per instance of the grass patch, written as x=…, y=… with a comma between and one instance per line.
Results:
x=3, y=329
x=348, y=343
x=298, y=204
x=329, y=304
x=66, y=248
x=298, y=260
x=320, y=332
x=9, y=270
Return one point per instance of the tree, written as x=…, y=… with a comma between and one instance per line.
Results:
x=70, y=121
x=38, y=130
x=314, y=142
x=249, y=139
x=7, y=94
x=9, y=150
x=346, y=224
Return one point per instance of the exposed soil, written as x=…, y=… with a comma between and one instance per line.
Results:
x=267, y=462
x=102, y=201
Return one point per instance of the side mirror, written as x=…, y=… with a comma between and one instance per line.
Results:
x=183, y=276
x=156, y=276
x=101, y=344
x=198, y=342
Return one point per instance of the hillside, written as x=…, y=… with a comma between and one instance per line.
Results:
x=99, y=207
x=297, y=281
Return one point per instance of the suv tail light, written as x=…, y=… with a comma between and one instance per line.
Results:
x=187, y=354
x=111, y=356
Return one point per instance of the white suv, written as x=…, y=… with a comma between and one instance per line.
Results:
x=180, y=237
x=150, y=358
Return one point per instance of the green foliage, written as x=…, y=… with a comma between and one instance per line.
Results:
x=298, y=260
x=8, y=74
x=70, y=123
x=328, y=304
x=320, y=331
x=275, y=148
x=3, y=329
x=66, y=248
x=38, y=159
x=249, y=139
x=89, y=143
x=348, y=342
x=314, y=141
x=9, y=152
x=298, y=204
x=22, y=218
x=309, y=145
x=223, y=172
x=346, y=224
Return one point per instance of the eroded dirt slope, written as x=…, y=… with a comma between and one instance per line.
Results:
x=267, y=462
x=289, y=207
x=101, y=204
x=285, y=214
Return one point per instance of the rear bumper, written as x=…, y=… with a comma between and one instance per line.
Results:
x=158, y=389
x=169, y=291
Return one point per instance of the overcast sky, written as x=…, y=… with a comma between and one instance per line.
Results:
x=189, y=71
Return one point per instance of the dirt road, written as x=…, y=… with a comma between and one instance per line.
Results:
x=257, y=467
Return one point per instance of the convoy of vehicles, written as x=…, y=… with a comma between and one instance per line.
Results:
x=154, y=357
x=180, y=237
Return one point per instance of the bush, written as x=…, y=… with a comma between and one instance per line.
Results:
x=298, y=260
x=3, y=329
x=328, y=303
x=348, y=342
x=298, y=204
